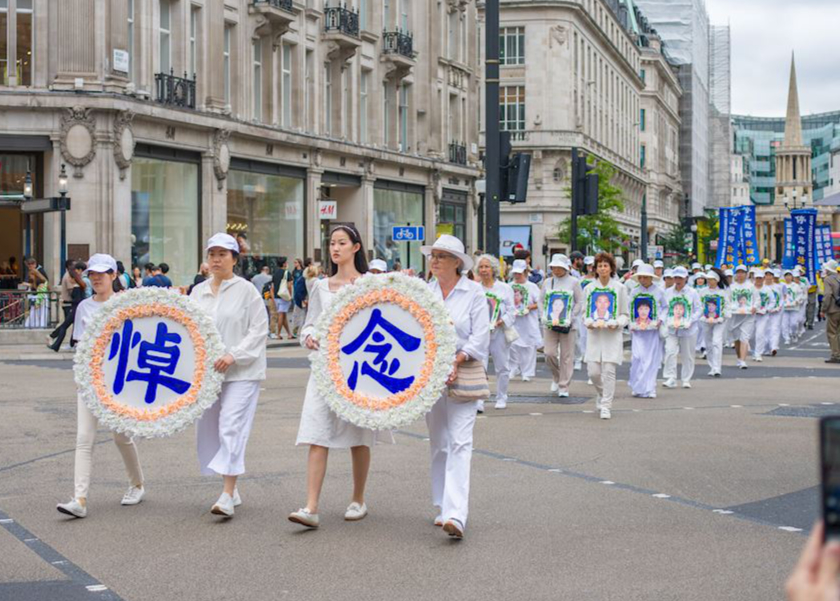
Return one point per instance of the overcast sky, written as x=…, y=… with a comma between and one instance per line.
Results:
x=764, y=32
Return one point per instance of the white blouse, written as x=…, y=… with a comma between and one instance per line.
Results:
x=239, y=313
x=467, y=307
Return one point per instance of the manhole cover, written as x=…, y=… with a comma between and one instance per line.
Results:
x=813, y=411
x=548, y=400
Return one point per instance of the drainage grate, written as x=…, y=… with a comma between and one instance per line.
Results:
x=548, y=400
x=813, y=411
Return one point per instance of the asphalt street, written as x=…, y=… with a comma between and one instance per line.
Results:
x=701, y=494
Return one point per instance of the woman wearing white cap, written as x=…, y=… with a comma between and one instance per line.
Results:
x=605, y=341
x=102, y=271
x=762, y=317
x=320, y=428
x=647, y=306
x=377, y=266
x=774, y=326
x=523, y=351
x=716, y=304
x=451, y=422
x=559, y=341
x=792, y=295
x=488, y=276
x=744, y=307
x=682, y=338
x=238, y=311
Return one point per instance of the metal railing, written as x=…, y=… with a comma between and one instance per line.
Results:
x=174, y=90
x=22, y=309
x=457, y=153
x=342, y=20
x=286, y=5
x=398, y=42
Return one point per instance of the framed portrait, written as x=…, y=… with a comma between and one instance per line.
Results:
x=494, y=304
x=644, y=311
x=766, y=300
x=558, y=308
x=742, y=301
x=602, y=304
x=521, y=299
x=679, y=313
x=712, y=306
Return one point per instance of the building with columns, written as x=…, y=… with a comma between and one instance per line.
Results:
x=270, y=119
x=587, y=74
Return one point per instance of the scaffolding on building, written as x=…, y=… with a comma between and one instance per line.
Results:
x=720, y=122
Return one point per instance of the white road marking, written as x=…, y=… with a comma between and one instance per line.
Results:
x=723, y=511
x=689, y=408
x=59, y=562
x=556, y=471
x=96, y=588
x=535, y=414
x=426, y=439
x=7, y=521
x=480, y=417
x=790, y=529
x=508, y=459
x=587, y=411
x=794, y=348
x=608, y=482
x=784, y=404
x=29, y=540
x=660, y=495
x=829, y=403
x=736, y=406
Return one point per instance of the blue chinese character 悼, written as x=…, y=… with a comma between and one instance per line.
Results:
x=381, y=349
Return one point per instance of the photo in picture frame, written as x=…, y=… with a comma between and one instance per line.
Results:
x=602, y=304
x=558, y=308
x=644, y=310
x=521, y=299
x=679, y=313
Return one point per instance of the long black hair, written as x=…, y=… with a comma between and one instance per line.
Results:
x=360, y=259
x=722, y=283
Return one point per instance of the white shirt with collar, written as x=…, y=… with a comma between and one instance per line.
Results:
x=467, y=307
x=239, y=314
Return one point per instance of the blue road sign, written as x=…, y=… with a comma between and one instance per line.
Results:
x=408, y=233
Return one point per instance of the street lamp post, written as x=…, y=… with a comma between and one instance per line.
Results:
x=62, y=191
x=27, y=195
x=60, y=203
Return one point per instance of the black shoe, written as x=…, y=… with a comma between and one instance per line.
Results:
x=832, y=360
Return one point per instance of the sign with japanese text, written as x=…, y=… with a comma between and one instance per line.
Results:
x=387, y=346
x=145, y=363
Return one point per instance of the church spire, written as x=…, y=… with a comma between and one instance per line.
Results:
x=793, y=123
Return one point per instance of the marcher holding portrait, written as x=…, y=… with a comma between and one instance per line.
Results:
x=523, y=351
x=744, y=306
x=559, y=344
x=684, y=313
x=716, y=311
x=488, y=274
x=647, y=303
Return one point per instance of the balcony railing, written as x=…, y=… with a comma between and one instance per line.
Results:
x=457, y=153
x=281, y=4
x=341, y=19
x=175, y=91
x=22, y=309
x=398, y=42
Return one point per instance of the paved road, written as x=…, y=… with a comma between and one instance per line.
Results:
x=699, y=494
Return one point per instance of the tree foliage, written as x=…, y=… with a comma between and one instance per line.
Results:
x=600, y=231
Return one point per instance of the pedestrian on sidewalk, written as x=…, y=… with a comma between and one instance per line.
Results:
x=605, y=339
x=523, y=351
x=238, y=311
x=73, y=287
x=320, y=428
x=647, y=306
x=830, y=310
x=102, y=270
x=559, y=341
x=282, y=284
x=716, y=304
x=744, y=306
x=684, y=312
x=451, y=422
x=497, y=292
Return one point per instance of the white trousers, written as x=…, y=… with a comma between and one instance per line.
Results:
x=86, y=425
x=451, y=444
x=702, y=337
x=775, y=327
x=223, y=430
x=524, y=360
x=500, y=352
x=762, y=335
x=789, y=325
x=603, y=377
x=580, y=343
x=684, y=346
x=714, y=345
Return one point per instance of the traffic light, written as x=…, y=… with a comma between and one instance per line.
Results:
x=517, y=177
x=584, y=186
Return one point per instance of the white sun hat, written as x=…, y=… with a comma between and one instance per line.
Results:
x=560, y=260
x=222, y=240
x=519, y=266
x=658, y=263
x=101, y=263
x=741, y=268
x=379, y=265
x=453, y=246
x=645, y=270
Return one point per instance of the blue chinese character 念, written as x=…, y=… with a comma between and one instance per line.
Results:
x=384, y=369
x=160, y=359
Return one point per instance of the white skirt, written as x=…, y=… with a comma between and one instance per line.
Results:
x=321, y=427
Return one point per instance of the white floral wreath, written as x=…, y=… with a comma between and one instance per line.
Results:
x=403, y=408
x=174, y=417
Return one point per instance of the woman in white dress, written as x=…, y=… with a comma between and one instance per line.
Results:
x=523, y=351
x=320, y=428
x=488, y=275
x=238, y=311
x=646, y=314
x=451, y=422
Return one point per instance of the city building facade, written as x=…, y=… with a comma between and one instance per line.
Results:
x=268, y=119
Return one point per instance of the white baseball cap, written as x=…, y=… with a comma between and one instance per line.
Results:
x=637, y=262
x=708, y=267
x=712, y=275
x=680, y=272
x=758, y=272
x=101, y=263
x=519, y=266
x=658, y=263
x=590, y=260
x=668, y=273
x=696, y=266
x=222, y=240
x=741, y=268
x=379, y=265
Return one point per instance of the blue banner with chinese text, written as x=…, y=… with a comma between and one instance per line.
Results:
x=804, y=238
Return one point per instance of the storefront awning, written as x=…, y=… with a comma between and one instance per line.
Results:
x=511, y=235
x=17, y=143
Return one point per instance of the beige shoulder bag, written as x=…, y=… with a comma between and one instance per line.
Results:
x=470, y=383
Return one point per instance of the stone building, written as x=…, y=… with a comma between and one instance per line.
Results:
x=266, y=118
x=573, y=75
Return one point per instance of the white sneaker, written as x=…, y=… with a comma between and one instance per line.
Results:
x=669, y=383
x=224, y=506
x=711, y=373
x=526, y=379
x=686, y=384
x=304, y=518
x=578, y=365
x=742, y=364
x=563, y=394
x=273, y=336
x=605, y=413
x=355, y=512
x=480, y=408
x=74, y=508
x=501, y=404
x=237, y=500
x=133, y=496
x=757, y=358
x=554, y=387
x=454, y=528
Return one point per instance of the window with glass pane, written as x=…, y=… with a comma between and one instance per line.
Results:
x=512, y=46
x=165, y=216
x=512, y=113
x=193, y=41
x=404, y=117
x=269, y=209
x=642, y=124
x=23, y=38
x=405, y=14
x=4, y=49
x=226, y=61
x=165, y=35
x=393, y=207
x=257, y=51
x=452, y=47
x=327, y=99
x=287, y=85
x=131, y=39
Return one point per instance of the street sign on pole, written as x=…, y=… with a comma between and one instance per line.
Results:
x=408, y=233
x=655, y=251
